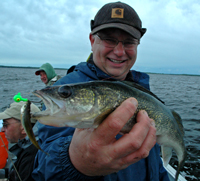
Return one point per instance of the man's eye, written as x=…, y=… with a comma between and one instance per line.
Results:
x=5, y=125
x=110, y=41
x=129, y=42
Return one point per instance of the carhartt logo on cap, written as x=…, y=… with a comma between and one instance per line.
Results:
x=117, y=13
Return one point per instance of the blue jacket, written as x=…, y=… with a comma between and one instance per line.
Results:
x=56, y=142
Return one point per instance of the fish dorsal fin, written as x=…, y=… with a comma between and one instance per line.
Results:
x=137, y=86
x=179, y=121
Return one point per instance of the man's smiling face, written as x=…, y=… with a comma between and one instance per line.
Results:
x=116, y=61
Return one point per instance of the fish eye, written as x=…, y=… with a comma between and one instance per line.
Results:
x=64, y=91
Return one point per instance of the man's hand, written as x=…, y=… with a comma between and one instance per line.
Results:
x=96, y=152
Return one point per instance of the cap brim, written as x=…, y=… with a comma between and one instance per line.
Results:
x=129, y=29
x=4, y=116
x=38, y=72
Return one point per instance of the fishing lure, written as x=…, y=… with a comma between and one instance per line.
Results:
x=18, y=98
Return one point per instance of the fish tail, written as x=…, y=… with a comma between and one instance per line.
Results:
x=180, y=165
x=44, y=152
x=177, y=173
x=35, y=143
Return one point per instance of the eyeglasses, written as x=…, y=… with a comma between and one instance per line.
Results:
x=5, y=125
x=112, y=42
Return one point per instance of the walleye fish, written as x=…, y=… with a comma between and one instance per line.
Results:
x=26, y=123
x=86, y=105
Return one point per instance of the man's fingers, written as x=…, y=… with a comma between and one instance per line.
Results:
x=144, y=150
x=112, y=125
x=137, y=137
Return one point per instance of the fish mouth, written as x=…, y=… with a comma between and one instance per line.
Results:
x=116, y=61
x=52, y=105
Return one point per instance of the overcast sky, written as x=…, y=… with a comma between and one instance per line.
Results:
x=33, y=32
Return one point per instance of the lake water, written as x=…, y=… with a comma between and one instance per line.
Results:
x=179, y=92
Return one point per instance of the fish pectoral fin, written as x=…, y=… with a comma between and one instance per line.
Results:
x=166, y=154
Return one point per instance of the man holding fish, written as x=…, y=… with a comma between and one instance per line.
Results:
x=101, y=153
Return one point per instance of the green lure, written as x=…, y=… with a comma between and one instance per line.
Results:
x=18, y=98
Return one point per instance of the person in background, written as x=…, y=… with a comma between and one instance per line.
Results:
x=47, y=74
x=22, y=147
x=101, y=153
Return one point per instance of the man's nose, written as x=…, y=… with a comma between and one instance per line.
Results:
x=119, y=49
x=42, y=76
x=2, y=129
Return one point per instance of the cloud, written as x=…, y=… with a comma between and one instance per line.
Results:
x=35, y=32
x=172, y=34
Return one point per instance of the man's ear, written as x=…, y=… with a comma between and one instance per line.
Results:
x=23, y=130
x=91, y=37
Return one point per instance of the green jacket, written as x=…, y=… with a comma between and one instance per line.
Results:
x=50, y=72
